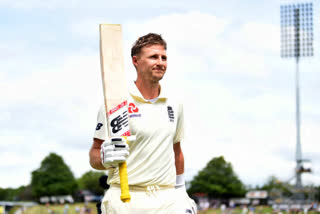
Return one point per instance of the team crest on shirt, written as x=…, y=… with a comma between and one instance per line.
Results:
x=170, y=113
x=133, y=110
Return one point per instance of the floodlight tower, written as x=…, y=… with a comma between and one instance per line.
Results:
x=297, y=41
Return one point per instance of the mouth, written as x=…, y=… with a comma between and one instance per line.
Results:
x=159, y=72
x=159, y=69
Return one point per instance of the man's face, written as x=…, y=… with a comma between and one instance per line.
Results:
x=151, y=63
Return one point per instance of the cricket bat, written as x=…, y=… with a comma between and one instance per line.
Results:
x=115, y=91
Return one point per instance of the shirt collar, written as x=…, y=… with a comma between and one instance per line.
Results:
x=135, y=93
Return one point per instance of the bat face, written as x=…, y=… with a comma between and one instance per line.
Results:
x=115, y=92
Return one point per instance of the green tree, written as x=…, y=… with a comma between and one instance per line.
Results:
x=218, y=180
x=317, y=195
x=8, y=194
x=3, y=194
x=277, y=188
x=53, y=177
x=90, y=181
x=24, y=193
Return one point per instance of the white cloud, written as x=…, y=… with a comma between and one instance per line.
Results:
x=76, y=78
x=186, y=31
x=260, y=36
x=51, y=4
x=88, y=28
x=99, y=4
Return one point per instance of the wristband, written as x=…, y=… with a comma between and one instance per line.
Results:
x=179, y=181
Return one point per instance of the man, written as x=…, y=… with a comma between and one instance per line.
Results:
x=155, y=161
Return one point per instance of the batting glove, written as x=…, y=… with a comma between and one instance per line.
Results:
x=114, y=150
x=185, y=202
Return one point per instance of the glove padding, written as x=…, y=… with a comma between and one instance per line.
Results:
x=114, y=150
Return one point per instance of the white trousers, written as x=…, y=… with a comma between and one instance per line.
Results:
x=149, y=201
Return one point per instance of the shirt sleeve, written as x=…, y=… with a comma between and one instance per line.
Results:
x=180, y=125
x=100, y=131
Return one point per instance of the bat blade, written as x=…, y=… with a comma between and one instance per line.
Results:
x=115, y=91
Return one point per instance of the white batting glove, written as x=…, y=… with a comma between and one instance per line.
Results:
x=185, y=202
x=113, y=151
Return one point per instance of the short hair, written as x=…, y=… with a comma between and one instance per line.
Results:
x=146, y=40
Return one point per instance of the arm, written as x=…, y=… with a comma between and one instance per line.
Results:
x=179, y=159
x=95, y=158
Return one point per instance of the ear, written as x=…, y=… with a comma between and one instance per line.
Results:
x=135, y=61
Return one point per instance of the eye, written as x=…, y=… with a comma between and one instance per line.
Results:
x=164, y=58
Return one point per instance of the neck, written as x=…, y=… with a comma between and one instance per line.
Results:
x=149, y=90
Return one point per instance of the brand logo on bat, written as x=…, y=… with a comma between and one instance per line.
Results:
x=119, y=122
x=132, y=108
x=170, y=113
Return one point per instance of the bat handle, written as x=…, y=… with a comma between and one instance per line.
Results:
x=124, y=186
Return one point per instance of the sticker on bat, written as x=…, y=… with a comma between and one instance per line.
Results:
x=119, y=121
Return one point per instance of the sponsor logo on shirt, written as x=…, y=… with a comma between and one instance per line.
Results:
x=99, y=125
x=133, y=110
x=170, y=113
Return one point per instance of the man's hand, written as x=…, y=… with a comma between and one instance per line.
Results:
x=113, y=151
x=185, y=203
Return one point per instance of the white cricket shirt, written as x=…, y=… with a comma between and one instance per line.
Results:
x=157, y=127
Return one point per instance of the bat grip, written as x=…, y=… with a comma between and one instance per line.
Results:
x=124, y=186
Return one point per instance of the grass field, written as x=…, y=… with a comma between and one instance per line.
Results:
x=238, y=210
x=59, y=209
x=258, y=210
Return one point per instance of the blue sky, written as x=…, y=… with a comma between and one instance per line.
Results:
x=223, y=63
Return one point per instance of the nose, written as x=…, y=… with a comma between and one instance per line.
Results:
x=161, y=61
